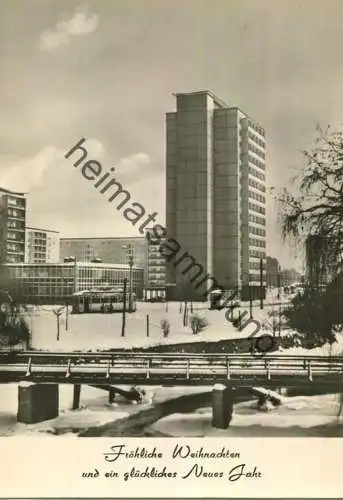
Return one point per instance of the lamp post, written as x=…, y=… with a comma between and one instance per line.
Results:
x=66, y=281
x=279, y=283
x=129, y=257
x=124, y=309
x=250, y=299
x=261, y=283
x=250, y=295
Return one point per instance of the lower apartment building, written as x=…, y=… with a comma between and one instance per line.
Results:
x=12, y=226
x=42, y=246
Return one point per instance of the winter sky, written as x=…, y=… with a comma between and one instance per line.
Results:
x=106, y=70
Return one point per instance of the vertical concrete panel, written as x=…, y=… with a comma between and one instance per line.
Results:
x=37, y=402
x=222, y=406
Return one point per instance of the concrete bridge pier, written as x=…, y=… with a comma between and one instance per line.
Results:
x=37, y=402
x=76, y=396
x=222, y=405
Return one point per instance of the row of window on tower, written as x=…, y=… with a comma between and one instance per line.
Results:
x=257, y=128
x=15, y=224
x=257, y=185
x=257, y=243
x=256, y=173
x=255, y=138
x=257, y=220
x=257, y=196
x=257, y=151
x=257, y=254
x=256, y=208
x=257, y=230
x=255, y=161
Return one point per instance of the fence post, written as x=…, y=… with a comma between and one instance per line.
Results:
x=147, y=325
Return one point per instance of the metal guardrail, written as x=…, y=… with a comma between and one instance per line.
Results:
x=170, y=368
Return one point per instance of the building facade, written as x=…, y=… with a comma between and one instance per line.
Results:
x=289, y=277
x=12, y=226
x=216, y=194
x=111, y=250
x=42, y=246
x=54, y=283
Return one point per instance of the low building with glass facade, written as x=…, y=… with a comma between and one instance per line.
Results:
x=55, y=283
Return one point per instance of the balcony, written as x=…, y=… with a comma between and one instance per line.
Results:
x=15, y=215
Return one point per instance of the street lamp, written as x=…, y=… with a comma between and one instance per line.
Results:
x=66, y=281
x=249, y=293
x=129, y=256
x=279, y=282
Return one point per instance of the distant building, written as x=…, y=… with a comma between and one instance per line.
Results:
x=54, y=283
x=273, y=269
x=42, y=246
x=110, y=250
x=216, y=195
x=289, y=277
x=12, y=226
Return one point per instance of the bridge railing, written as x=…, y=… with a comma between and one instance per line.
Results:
x=99, y=356
x=180, y=366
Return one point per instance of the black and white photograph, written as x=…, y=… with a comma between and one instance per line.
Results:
x=171, y=209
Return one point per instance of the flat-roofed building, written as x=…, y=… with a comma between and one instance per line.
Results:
x=54, y=283
x=110, y=250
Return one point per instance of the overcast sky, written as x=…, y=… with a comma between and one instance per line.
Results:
x=106, y=70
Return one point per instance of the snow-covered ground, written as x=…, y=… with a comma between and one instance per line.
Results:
x=94, y=409
x=313, y=416
x=103, y=331
x=297, y=416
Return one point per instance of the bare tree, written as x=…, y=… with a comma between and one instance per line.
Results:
x=316, y=205
x=57, y=313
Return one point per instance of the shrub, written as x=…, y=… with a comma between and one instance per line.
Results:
x=198, y=323
x=165, y=325
x=13, y=328
x=310, y=315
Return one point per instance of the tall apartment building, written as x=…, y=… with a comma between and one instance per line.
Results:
x=216, y=192
x=12, y=226
x=42, y=246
